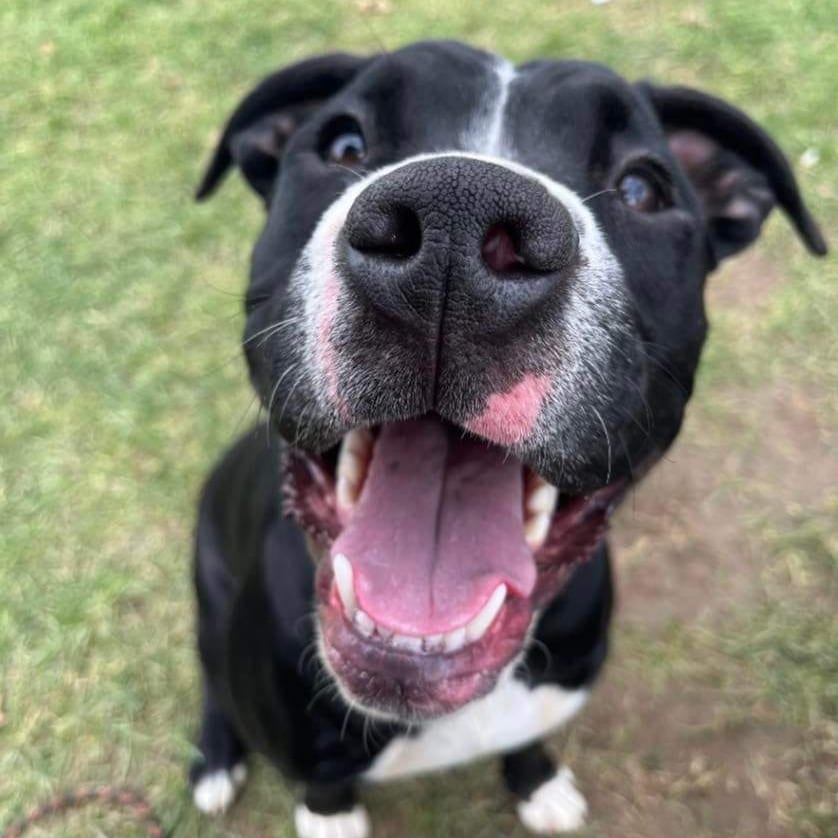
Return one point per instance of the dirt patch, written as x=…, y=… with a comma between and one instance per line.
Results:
x=685, y=767
x=679, y=552
x=698, y=756
x=689, y=542
x=748, y=282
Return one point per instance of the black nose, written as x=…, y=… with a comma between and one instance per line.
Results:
x=455, y=226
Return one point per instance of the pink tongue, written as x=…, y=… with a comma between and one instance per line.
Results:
x=438, y=526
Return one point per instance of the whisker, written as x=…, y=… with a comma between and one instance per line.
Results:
x=647, y=431
x=318, y=694
x=271, y=329
x=308, y=656
x=545, y=651
x=607, y=440
x=273, y=396
x=662, y=366
x=345, y=721
x=597, y=194
x=360, y=174
x=296, y=384
x=364, y=735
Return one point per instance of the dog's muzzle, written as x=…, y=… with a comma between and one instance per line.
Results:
x=450, y=276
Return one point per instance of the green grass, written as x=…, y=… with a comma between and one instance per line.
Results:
x=121, y=382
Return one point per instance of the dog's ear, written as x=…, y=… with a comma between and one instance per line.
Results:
x=256, y=133
x=736, y=168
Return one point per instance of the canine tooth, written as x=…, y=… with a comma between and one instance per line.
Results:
x=347, y=493
x=478, y=626
x=364, y=623
x=359, y=440
x=543, y=498
x=345, y=581
x=536, y=529
x=454, y=640
x=351, y=469
x=407, y=642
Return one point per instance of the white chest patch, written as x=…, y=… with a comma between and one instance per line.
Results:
x=511, y=715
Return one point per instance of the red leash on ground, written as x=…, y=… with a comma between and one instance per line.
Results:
x=112, y=797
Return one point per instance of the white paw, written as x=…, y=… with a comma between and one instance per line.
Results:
x=556, y=806
x=354, y=824
x=215, y=791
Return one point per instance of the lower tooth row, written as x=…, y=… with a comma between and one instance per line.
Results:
x=451, y=641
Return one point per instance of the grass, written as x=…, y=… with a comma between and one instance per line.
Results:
x=122, y=381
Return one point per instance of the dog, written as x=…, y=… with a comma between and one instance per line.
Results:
x=473, y=319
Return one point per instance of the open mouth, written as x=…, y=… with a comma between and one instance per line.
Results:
x=436, y=550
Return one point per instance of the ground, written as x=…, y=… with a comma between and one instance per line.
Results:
x=122, y=380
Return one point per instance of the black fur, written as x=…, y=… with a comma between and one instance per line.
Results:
x=527, y=769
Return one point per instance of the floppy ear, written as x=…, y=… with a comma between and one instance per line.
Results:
x=256, y=133
x=735, y=167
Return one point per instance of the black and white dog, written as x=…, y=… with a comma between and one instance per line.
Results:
x=474, y=317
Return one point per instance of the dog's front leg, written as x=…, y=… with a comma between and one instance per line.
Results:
x=548, y=800
x=331, y=810
x=218, y=775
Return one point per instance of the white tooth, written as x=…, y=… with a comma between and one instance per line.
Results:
x=364, y=623
x=478, y=626
x=454, y=640
x=384, y=633
x=407, y=642
x=543, y=498
x=359, y=440
x=432, y=643
x=347, y=493
x=536, y=529
x=353, y=459
x=345, y=581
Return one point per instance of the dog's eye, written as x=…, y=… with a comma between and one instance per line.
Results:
x=347, y=148
x=643, y=191
x=343, y=142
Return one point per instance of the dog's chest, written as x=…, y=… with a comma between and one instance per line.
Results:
x=509, y=717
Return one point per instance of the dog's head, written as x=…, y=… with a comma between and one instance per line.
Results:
x=474, y=314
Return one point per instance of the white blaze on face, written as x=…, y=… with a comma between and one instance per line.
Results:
x=486, y=133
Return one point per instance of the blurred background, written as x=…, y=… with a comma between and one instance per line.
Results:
x=122, y=380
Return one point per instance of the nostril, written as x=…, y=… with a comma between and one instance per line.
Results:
x=500, y=249
x=393, y=232
x=536, y=244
